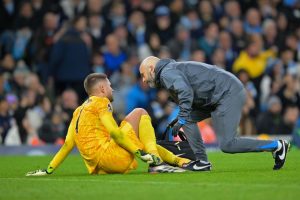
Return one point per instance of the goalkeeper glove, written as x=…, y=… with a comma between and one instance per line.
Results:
x=147, y=157
x=41, y=172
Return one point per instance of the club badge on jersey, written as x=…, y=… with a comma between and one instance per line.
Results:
x=110, y=108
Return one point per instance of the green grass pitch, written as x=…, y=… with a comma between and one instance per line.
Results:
x=239, y=176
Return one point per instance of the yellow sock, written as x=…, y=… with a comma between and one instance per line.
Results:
x=147, y=135
x=170, y=158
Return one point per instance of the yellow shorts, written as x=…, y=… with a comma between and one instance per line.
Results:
x=115, y=159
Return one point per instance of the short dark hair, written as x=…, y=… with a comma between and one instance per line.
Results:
x=91, y=80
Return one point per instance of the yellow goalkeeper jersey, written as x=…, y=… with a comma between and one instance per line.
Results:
x=88, y=132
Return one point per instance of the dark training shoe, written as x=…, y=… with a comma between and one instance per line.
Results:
x=280, y=154
x=197, y=165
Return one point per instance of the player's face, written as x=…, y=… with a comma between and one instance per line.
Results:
x=108, y=90
x=148, y=75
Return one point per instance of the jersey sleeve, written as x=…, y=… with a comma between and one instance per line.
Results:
x=66, y=148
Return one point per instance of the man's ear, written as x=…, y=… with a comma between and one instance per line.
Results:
x=151, y=67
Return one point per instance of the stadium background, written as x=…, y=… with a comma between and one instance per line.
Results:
x=48, y=47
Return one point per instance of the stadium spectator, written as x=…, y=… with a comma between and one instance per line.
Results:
x=5, y=118
x=70, y=58
x=113, y=54
x=182, y=46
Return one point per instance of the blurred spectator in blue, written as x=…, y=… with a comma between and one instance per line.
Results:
x=5, y=118
x=70, y=58
x=139, y=96
x=182, y=45
x=253, y=21
x=113, y=54
x=209, y=41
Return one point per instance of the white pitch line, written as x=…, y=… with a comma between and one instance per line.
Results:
x=296, y=186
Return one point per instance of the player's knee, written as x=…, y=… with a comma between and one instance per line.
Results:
x=226, y=147
x=140, y=111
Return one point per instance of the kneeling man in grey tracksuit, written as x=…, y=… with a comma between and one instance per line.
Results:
x=202, y=91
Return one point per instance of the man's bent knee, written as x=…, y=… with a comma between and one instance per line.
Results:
x=140, y=111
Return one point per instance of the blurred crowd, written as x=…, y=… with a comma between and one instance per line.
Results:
x=47, y=47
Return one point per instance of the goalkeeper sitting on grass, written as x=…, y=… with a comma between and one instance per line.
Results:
x=105, y=147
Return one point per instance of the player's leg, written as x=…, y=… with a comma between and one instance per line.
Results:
x=142, y=126
x=193, y=135
x=115, y=159
x=170, y=158
x=226, y=120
